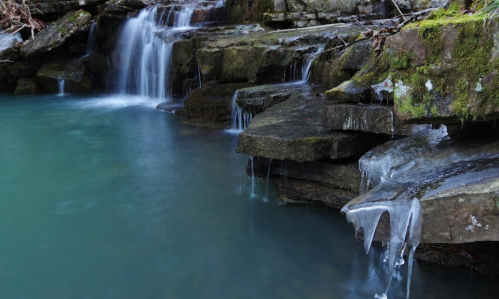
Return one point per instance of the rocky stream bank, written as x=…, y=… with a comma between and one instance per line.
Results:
x=338, y=118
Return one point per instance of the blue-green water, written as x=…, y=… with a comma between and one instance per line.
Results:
x=111, y=198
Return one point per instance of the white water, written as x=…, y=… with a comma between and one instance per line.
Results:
x=146, y=50
x=61, y=83
x=92, y=40
x=220, y=3
x=240, y=118
x=7, y=40
x=309, y=59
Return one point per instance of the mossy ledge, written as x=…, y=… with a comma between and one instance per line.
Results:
x=453, y=74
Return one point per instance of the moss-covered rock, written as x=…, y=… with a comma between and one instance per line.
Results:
x=446, y=68
x=24, y=68
x=73, y=72
x=55, y=34
x=27, y=86
x=210, y=103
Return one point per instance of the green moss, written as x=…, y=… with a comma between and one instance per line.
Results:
x=470, y=54
x=312, y=140
x=400, y=61
x=431, y=34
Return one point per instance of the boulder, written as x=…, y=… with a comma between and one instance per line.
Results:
x=27, y=86
x=210, y=103
x=445, y=70
x=24, y=68
x=73, y=72
x=258, y=98
x=96, y=63
x=55, y=34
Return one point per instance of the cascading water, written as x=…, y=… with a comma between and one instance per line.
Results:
x=61, y=83
x=92, y=40
x=240, y=118
x=146, y=45
x=309, y=59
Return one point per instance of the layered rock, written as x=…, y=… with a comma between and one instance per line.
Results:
x=292, y=130
x=55, y=34
x=447, y=72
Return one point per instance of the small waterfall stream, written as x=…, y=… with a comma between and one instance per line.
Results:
x=61, y=87
x=92, y=40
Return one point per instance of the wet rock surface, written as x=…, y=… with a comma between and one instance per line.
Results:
x=210, y=103
x=292, y=130
x=55, y=34
x=372, y=118
x=456, y=182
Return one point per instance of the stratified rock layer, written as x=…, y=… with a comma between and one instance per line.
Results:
x=55, y=34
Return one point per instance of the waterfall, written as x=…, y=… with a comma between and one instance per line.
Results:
x=220, y=3
x=146, y=49
x=240, y=118
x=92, y=40
x=309, y=59
x=61, y=87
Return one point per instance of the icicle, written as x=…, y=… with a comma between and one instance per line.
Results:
x=201, y=85
x=252, y=179
x=405, y=228
x=268, y=179
x=409, y=269
x=386, y=85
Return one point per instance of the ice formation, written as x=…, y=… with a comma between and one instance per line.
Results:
x=386, y=85
x=382, y=163
x=405, y=230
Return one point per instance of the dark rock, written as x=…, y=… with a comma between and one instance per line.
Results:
x=24, y=68
x=344, y=175
x=372, y=118
x=27, y=86
x=55, y=34
x=77, y=78
x=303, y=192
x=41, y=8
x=211, y=103
x=350, y=92
x=258, y=98
x=292, y=130
x=96, y=63
x=137, y=3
